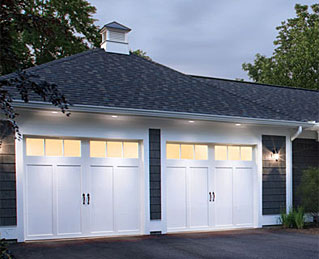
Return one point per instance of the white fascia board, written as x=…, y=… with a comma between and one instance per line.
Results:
x=162, y=114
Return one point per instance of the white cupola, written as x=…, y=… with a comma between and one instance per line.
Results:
x=114, y=38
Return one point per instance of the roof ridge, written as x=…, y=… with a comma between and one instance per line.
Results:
x=57, y=61
x=246, y=99
x=255, y=83
x=159, y=64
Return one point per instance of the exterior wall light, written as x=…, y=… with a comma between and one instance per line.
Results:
x=275, y=155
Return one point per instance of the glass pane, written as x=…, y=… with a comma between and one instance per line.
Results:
x=53, y=147
x=72, y=148
x=187, y=151
x=246, y=153
x=220, y=152
x=114, y=149
x=201, y=152
x=35, y=147
x=97, y=149
x=233, y=153
x=130, y=150
x=172, y=151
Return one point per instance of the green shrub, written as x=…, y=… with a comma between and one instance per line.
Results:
x=299, y=216
x=288, y=220
x=309, y=191
x=4, y=252
x=294, y=219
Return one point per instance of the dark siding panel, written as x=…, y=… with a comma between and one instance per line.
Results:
x=7, y=182
x=305, y=154
x=155, y=173
x=274, y=175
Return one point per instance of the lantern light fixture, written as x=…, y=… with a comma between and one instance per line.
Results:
x=275, y=154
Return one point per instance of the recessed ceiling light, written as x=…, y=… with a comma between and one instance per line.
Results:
x=54, y=112
x=238, y=124
x=191, y=121
x=114, y=116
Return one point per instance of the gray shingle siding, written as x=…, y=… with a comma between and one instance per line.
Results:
x=7, y=182
x=274, y=175
x=305, y=154
x=155, y=173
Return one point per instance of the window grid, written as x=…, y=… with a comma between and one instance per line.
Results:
x=45, y=143
x=129, y=149
x=247, y=156
x=171, y=151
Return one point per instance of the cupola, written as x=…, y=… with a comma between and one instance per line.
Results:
x=114, y=38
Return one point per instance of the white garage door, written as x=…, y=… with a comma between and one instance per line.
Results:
x=209, y=187
x=77, y=188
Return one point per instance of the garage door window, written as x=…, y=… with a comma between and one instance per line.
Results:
x=187, y=151
x=233, y=153
x=53, y=147
x=35, y=147
x=114, y=149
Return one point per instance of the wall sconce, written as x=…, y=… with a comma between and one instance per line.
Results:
x=275, y=155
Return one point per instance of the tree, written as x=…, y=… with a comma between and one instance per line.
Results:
x=309, y=191
x=140, y=53
x=34, y=32
x=295, y=60
x=23, y=28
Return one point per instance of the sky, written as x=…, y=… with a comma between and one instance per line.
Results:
x=200, y=37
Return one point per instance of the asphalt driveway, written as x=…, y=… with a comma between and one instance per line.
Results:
x=260, y=243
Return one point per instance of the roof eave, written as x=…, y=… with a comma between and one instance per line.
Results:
x=164, y=114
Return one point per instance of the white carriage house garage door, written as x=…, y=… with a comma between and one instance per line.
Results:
x=209, y=186
x=77, y=188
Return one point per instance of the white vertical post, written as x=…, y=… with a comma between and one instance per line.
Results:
x=288, y=174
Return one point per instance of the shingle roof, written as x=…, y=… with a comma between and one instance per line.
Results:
x=99, y=78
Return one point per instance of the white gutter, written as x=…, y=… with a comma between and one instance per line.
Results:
x=161, y=114
x=297, y=133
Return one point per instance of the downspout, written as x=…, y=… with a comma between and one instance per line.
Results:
x=297, y=133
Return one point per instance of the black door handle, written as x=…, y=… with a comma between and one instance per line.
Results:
x=210, y=196
x=88, y=195
x=83, y=198
x=214, y=196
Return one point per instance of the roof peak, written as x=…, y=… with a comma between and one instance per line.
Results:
x=117, y=26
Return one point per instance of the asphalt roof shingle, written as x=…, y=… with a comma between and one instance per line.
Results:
x=99, y=78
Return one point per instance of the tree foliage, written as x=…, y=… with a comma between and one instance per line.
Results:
x=34, y=32
x=295, y=60
x=140, y=53
x=309, y=190
x=21, y=85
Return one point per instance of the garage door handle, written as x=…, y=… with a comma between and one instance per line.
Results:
x=210, y=196
x=83, y=198
x=88, y=195
x=213, y=196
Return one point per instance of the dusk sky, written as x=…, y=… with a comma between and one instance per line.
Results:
x=206, y=37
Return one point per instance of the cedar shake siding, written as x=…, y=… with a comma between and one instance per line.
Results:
x=305, y=154
x=274, y=175
x=7, y=182
x=155, y=173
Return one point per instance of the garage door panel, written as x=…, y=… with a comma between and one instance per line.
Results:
x=39, y=200
x=224, y=200
x=199, y=197
x=69, y=200
x=101, y=214
x=126, y=189
x=176, y=202
x=243, y=196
